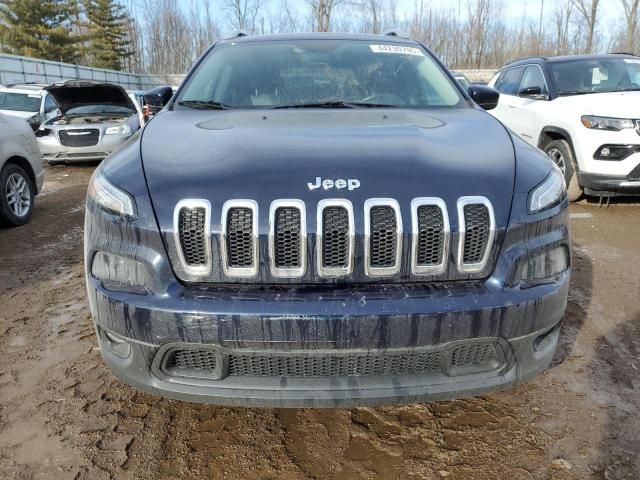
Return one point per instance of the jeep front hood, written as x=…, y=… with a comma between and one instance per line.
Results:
x=268, y=155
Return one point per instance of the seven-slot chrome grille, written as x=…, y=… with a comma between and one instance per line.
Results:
x=335, y=237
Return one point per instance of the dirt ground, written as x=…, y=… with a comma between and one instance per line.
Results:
x=63, y=415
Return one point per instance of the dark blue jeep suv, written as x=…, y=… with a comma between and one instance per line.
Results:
x=326, y=220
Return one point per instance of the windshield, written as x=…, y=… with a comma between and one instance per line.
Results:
x=279, y=74
x=20, y=102
x=596, y=75
x=97, y=109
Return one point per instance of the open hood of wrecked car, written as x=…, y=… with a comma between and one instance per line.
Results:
x=74, y=94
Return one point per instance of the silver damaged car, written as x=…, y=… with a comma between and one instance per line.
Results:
x=94, y=119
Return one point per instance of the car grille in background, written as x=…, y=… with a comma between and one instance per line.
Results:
x=335, y=237
x=477, y=229
x=383, y=244
x=239, y=237
x=207, y=362
x=85, y=137
x=635, y=173
x=430, y=235
x=191, y=224
x=288, y=238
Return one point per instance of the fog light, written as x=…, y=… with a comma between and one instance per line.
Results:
x=545, y=264
x=115, y=344
x=119, y=274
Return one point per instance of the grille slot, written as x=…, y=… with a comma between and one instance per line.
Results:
x=383, y=236
x=192, y=235
x=288, y=238
x=383, y=241
x=335, y=237
x=240, y=237
x=476, y=220
x=635, y=173
x=191, y=226
x=79, y=137
x=477, y=229
x=430, y=235
x=430, y=247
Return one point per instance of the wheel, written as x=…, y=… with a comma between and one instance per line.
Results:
x=560, y=152
x=16, y=196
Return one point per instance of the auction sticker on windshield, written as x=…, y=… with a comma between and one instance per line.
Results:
x=397, y=49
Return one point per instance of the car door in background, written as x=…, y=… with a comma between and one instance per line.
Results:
x=532, y=97
x=506, y=83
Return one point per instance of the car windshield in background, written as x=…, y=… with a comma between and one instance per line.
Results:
x=319, y=73
x=19, y=102
x=596, y=75
x=97, y=109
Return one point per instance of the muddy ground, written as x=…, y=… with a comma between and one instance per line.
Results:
x=62, y=414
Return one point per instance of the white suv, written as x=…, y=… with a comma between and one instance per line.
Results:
x=583, y=111
x=28, y=101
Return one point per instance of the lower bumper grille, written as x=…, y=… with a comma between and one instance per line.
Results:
x=209, y=363
x=635, y=173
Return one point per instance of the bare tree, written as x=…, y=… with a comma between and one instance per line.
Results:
x=321, y=12
x=243, y=14
x=631, y=17
x=562, y=17
x=588, y=10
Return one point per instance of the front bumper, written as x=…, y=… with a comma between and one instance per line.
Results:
x=608, y=185
x=522, y=324
x=53, y=151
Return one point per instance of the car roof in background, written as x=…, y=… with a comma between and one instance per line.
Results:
x=566, y=58
x=23, y=87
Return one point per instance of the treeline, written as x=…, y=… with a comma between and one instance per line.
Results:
x=166, y=36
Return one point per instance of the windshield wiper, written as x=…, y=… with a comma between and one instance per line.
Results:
x=336, y=104
x=204, y=105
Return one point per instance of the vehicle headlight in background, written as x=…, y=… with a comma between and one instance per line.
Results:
x=109, y=197
x=549, y=193
x=607, y=123
x=118, y=130
x=43, y=132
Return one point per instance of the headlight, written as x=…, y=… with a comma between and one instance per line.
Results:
x=119, y=130
x=549, y=193
x=109, y=197
x=545, y=264
x=607, y=123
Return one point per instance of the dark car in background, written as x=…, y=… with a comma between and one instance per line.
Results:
x=326, y=220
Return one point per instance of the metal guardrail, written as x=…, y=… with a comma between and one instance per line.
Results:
x=17, y=69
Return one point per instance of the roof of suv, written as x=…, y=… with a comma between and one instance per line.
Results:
x=566, y=58
x=392, y=36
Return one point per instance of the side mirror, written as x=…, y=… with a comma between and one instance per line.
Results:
x=532, y=92
x=158, y=97
x=485, y=96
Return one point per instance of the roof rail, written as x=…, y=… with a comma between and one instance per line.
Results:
x=624, y=53
x=534, y=57
x=395, y=33
x=237, y=34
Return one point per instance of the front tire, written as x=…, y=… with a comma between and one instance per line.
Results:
x=16, y=196
x=560, y=152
